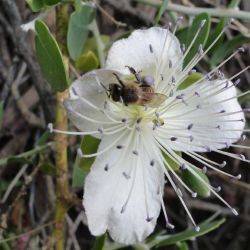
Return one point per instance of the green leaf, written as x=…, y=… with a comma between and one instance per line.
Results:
x=173, y=164
x=78, y=175
x=51, y=2
x=189, y=80
x=89, y=145
x=99, y=242
x=182, y=35
x=78, y=5
x=50, y=57
x=202, y=36
x=194, y=183
x=44, y=138
x=182, y=245
x=90, y=44
x=48, y=168
x=228, y=47
x=214, y=34
x=189, y=234
x=18, y=160
x=87, y=61
x=78, y=30
x=35, y=5
x=1, y=114
x=25, y=155
x=161, y=11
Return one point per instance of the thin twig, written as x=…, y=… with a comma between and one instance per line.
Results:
x=111, y=18
x=28, y=233
x=219, y=12
x=29, y=117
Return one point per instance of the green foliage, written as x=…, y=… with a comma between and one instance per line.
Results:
x=87, y=61
x=51, y=2
x=182, y=245
x=173, y=164
x=161, y=239
x=78, y=30
x=189, y=234
x=161, y=11
x=50, y=57
x=195, y=183
x=100, y=242
x=228, y=47
x=189, y=80
x=89, y=58
x=89, y=145
x=37, y=5
x=48, y=168
x=202, y=36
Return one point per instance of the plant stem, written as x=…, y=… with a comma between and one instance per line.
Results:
x=217, y=12
x=62, y=185
x=26, y=154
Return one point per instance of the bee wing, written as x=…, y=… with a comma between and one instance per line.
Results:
x=152, y=100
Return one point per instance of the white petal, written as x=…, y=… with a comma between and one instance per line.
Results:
x=88, y=98
x=106, y=192
x=134, y=51
x=204, y=132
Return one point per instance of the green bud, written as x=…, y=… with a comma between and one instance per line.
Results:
x=194, y=183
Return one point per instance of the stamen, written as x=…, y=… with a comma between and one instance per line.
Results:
x=135, y=152
x=81, y=154
x=106, y=168
x=127, y=176
x=152, y=163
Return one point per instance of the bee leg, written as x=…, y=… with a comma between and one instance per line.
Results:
x=119, y=80
x=136, y=74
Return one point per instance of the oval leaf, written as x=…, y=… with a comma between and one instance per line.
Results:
x=191, y=79
x=78, y=30
x=35, y=5
x=202, y=36
x=89, y=145
x=87, y=61
x=194, y=183
x=228, y=47
x=50, y=57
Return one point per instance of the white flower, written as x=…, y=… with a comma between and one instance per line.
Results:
x=123, y=191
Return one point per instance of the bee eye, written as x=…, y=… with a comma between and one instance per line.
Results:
x=148, y=80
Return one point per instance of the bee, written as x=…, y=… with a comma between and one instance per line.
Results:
x=139, y=92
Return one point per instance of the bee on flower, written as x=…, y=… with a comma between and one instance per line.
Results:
x=139, y=109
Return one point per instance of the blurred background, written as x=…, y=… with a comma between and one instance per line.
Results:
x=27, y=105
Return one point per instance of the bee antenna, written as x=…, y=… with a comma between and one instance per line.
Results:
x=119, y=80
